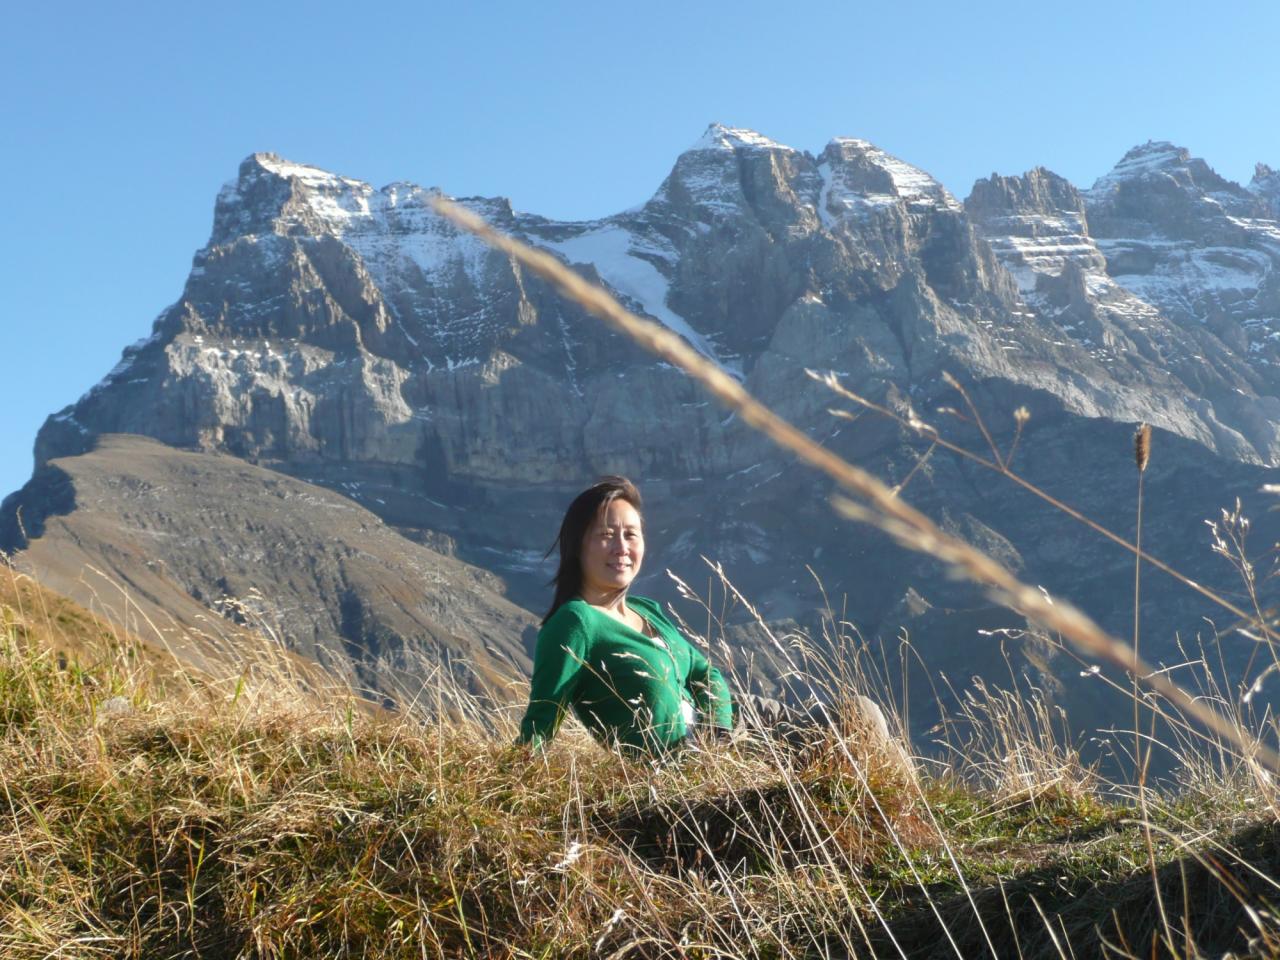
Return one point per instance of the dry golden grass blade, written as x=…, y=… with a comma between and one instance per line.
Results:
x=888, y=512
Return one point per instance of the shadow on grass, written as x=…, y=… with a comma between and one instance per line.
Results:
x=767, y=829
x=1215, y=903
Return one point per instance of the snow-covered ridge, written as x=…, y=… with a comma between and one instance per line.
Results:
x=1205, y=251
x=857, y=176
x=1035, y=246
x=1154, y=155
x=1036, y=227
x=412, y=254
x=402, y=241
x=312, y=176
x=1191, y=281
x=1163, y=163
x=910, y=183
x=394, y=230
x=1028, y=257
x=721, y=137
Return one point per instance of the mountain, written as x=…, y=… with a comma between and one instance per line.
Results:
x=346, y=338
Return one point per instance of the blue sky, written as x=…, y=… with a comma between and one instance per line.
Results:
x=121, y=121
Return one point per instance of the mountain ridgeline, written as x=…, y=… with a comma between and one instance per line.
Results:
x=342, y=352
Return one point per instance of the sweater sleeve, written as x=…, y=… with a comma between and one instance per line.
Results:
x=558, y=659
x=709, y=691
x=706, y=686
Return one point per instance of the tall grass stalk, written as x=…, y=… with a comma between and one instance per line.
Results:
x=916, y=425
x=1141, y=456
x=1141, y=754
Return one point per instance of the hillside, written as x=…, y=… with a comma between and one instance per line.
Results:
x=44, y=626
x=168, y=535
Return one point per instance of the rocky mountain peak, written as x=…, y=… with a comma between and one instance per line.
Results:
x=276, y=165
x=857, y=173
x=719, y=137
x=1159, y=161
x=1201, y=250
x=732, y=172
x=1152, y=155
x=273, y=195
x=1169, y=176
x=1037, y=227
x=1037, y=192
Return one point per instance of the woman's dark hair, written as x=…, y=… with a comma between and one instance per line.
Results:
x=577, y=521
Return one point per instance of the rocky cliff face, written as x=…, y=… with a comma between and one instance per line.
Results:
x=349, y=337
x=1199, y=248
x=1266, y=185
x=1203, y=380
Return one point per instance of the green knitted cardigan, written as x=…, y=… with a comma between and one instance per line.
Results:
x=626, y=688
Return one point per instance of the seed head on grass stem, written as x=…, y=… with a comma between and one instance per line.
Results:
x=1142, y=446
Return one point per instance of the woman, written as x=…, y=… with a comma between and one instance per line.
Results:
x=626, y=671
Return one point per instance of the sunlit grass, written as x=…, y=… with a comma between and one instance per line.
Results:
x=215, y=820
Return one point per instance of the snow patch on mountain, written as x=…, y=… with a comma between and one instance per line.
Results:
x=624, y=262
x=910, y=183
x=312, y=176
x=1199, y=247
x=1029, y=257
x=394, y=230
x=336, y=199
x=1191, y=280
x=1264, y=232
x=403, y=231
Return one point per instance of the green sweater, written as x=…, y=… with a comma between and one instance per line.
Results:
x=626, y=688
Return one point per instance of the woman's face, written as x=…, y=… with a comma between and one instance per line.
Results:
x=611, y=551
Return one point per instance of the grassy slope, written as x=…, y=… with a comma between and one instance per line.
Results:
x=46, y=623
x=234, y=820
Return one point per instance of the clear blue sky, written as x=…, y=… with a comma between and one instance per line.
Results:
x=121, y=120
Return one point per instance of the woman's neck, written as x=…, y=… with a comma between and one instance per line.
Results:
x=613, y=602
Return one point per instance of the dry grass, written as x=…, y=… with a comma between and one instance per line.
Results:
x=249, y=827
x=202, y=820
